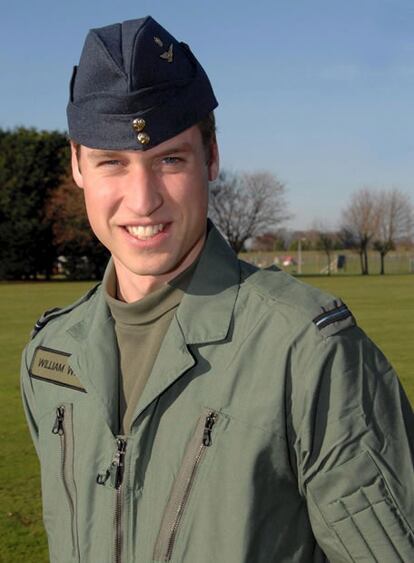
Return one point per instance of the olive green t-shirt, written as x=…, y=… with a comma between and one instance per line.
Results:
x=140, y=328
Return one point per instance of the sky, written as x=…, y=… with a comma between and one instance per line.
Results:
x=318, y=92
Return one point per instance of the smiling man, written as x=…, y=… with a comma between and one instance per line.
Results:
x=192, y=408
x=150, y=206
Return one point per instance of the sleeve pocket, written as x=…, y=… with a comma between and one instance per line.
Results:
x=357, y=505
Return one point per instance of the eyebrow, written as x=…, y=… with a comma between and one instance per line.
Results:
x=183, y=147
x=103, y=154
x=97, y=155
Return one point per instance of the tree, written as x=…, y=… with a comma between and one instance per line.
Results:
x=327, y=241
x=269, y=241
x=395, y=221
x=84, y=256
x=361, y=222
x=246, y=206
x=31, y=165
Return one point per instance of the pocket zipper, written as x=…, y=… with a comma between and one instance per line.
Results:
x=63, y=428
x=181, y=489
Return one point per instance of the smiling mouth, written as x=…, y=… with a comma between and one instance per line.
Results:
x=144, y=232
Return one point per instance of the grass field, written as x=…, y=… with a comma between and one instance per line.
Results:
x=384, y=307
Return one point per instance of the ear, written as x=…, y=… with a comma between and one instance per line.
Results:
x=214, y=162
x=75, y=163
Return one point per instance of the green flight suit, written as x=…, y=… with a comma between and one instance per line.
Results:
x=271, y=429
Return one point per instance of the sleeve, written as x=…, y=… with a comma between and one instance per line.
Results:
x=28, y=399
x=354, y=447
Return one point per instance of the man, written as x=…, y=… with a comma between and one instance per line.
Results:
x=192, y=408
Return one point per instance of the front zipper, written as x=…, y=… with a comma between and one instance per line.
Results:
x=118, y=467
x=114, y=476
x=63, y=427
x=181, y=489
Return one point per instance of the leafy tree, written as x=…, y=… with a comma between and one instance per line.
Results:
x=81, y=254
x=31, y=165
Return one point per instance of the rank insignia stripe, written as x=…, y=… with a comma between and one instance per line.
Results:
x=52, y=366
x=334, y=315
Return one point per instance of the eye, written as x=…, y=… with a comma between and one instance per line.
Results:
x=110, y=163
x=171, y=160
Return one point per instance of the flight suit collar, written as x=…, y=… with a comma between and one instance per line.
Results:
x=206, y=310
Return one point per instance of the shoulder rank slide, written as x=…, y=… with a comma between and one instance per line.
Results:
x=332, y=321
x=51, y=314
x=40, y=323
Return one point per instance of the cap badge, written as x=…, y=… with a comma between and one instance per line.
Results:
x=138, y=124
x=167, y=55
x=143, y=138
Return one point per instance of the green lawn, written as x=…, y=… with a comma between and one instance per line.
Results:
x=384, y=307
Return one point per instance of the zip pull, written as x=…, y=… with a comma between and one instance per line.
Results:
x=114, y=473
x=118, y=462
x=208, y=427
x=58, y=426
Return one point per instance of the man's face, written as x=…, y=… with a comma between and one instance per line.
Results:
x=149, y=208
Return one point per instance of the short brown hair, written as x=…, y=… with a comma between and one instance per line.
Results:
x=207, y=128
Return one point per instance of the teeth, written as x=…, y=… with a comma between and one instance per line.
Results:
x=142, y=232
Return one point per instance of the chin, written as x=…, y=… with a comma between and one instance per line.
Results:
x=159, y=269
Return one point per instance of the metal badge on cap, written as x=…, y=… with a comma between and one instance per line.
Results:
x=143, y=138
x=167, y=55
x=139, y=125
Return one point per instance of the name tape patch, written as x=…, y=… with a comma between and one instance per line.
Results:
x=53, y=366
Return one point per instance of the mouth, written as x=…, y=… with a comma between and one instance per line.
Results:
x=145, y=232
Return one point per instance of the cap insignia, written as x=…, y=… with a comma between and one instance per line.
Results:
x=167, y=55
x=138, y=124
x=143, y=138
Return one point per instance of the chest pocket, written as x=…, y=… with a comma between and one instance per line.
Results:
x=57, y=451
x=199, y=447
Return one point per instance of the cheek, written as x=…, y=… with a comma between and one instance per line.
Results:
x=190, y=194
x=98, y=207
x=99, y=198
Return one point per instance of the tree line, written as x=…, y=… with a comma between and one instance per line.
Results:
x=252, y=207
x=42, y=215
x=44, y=228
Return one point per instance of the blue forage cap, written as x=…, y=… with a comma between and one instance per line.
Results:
x=135, y=87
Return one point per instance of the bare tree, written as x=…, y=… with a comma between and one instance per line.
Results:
x=323, y=238
x=361, y=221
x=395, y=221
x=327, y=243
x=247, y=205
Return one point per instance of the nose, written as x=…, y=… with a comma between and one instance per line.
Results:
x=142, y=193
